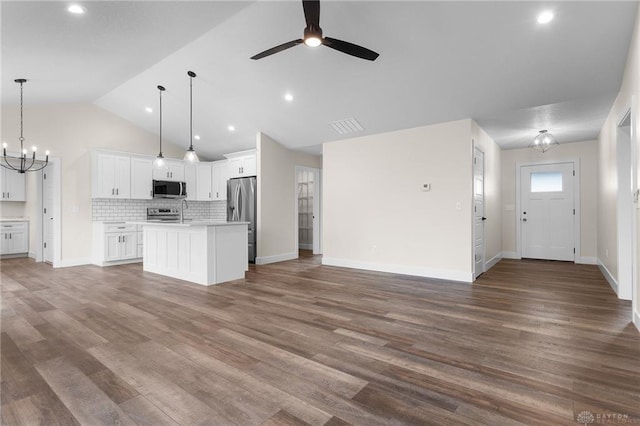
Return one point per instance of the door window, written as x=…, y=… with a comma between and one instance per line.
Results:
x=546, y=182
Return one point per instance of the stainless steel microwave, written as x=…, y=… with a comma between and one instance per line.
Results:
x=169, y=189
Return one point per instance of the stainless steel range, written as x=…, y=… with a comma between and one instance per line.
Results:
x=163, y=214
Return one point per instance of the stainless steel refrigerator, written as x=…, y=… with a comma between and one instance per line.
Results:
x=241, y=207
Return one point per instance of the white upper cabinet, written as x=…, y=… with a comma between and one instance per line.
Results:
x=141, y=178
x=242, y=164
x=204, y=182
x=220, y=175
x=174, y=171
x=112, y=176
x=13, y=185
x=191, y=179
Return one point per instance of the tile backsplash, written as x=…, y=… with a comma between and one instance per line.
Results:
x=105, y=209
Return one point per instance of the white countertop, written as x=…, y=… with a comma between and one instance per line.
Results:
x=14, y=219
x=187, y=223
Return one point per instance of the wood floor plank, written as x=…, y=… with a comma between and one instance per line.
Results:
x=530, y=342
x=144, y=413
x=87, y=403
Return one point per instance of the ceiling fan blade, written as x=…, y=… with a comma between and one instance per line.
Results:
x=277, y=49
x=311, y=12
x=350, y=48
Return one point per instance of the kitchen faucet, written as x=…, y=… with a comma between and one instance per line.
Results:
x=182, y=204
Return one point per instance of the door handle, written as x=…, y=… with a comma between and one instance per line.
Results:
x=524, y=219
x=484, y=218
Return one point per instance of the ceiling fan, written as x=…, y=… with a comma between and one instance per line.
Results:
x=313, y=37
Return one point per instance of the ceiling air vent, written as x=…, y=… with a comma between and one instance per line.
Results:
x=346, y=126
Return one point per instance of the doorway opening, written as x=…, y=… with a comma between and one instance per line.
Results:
x=308, y=196
x=548, y=206
x=625, y=210
x=47, y=236
x=478, y=213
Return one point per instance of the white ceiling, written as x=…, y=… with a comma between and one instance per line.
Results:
x=439, y=61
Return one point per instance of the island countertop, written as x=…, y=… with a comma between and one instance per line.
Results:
x=187, y=222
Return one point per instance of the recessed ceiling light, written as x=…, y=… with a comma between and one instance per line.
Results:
x=545, y=17
x=76, y=9
x=149, y=110
x=288, y=97
x=196, y=137
x=231, y=128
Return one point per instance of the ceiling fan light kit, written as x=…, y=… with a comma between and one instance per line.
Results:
x=22, y=163
x=543, y=141
x=313, y=37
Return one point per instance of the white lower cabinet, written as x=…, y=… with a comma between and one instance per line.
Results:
x=14, y=237
x=114, y=243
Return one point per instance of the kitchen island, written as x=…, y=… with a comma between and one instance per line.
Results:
x=202, y=252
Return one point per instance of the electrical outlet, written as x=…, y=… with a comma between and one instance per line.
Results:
x=458, y=206
x=606, y=253
x=426, y=187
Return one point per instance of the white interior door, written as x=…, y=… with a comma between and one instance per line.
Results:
x=47, y=211
x=478, y=212
x=547, y=211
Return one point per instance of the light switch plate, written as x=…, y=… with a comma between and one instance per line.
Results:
x=426, y=187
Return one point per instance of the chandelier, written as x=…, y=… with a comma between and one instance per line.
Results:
x=543, y=142
x=22, y=163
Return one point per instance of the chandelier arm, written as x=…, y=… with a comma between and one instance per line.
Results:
x=8, y=165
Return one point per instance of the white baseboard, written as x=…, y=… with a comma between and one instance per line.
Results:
x=264, y=260
x=587, y=260
x=636, y=319
x=32, y=254
x=73, y=262
x=443, y=274
x=607, y=275
x=510, y=255
x=305, y=246
x=492, y=262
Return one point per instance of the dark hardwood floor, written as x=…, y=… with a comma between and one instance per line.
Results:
x=298, y=343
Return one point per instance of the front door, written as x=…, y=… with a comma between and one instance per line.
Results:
x=547, y=211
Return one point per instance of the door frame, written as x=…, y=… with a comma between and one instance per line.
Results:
x=317, y=245
x=576, y=202
x=484, y=237
x=39, y=237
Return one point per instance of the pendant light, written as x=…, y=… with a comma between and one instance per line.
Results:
x=159, y=163
x=543, y=142
x=22, y=164
x=191, y=155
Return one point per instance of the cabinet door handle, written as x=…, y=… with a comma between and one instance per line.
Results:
x=124, y=238
x=9, y=236
x=8, y=196
x=209, y=195
x=117, y=191
x=113, y=191
x=217, y=196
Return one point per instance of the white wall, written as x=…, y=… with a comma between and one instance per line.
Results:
x=607, y=182
x=492, y=193
x=587, y=154
x=376, y=215
x=71, y=131
x=276, y=227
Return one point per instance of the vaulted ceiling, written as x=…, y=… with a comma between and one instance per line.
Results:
x=439, y=61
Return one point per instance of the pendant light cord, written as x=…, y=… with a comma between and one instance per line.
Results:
x=190, y=113
x=21, y=120
x=160, y=119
